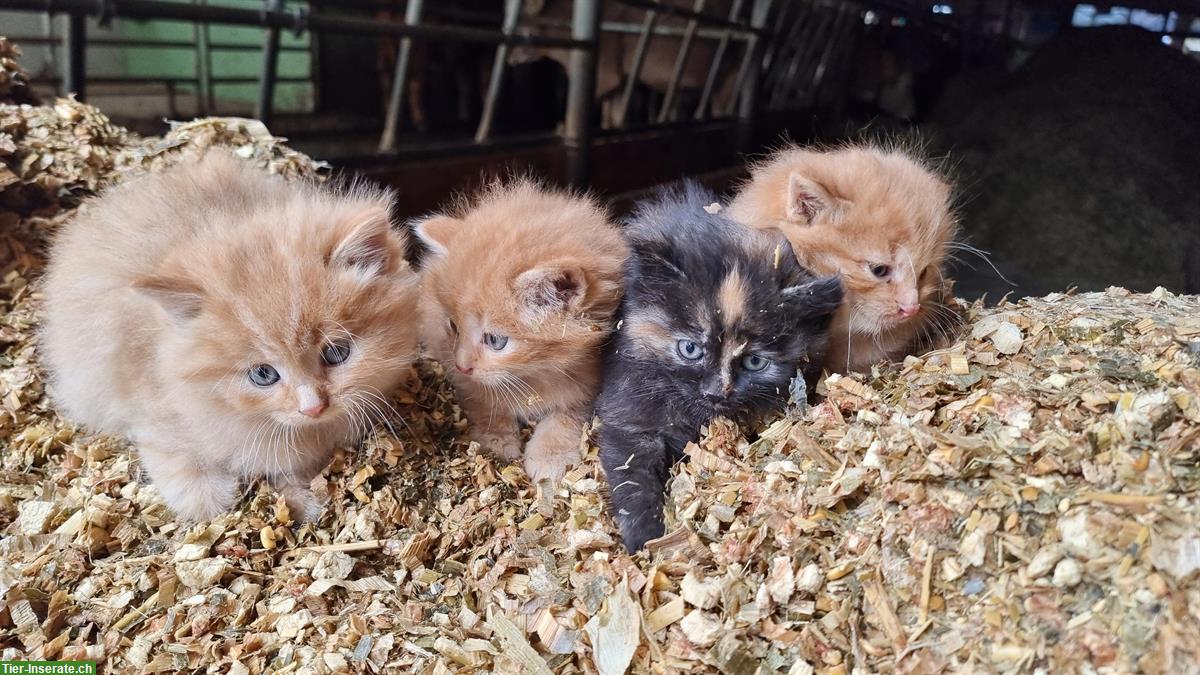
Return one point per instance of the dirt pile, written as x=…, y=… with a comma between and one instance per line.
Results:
x=1080, y=169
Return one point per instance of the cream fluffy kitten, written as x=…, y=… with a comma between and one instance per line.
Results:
x=881, y=220
x=229, y=323
x=519, y=294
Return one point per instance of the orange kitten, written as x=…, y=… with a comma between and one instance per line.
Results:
x=880, y=219
x=231, y=324
x=519, y=294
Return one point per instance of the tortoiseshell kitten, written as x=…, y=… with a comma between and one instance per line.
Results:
x=716, y=320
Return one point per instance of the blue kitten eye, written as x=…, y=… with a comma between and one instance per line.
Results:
x=754, y=362
x=881, y=271
x=264, y=375
x=496, y=342
x=689, y=350
x=335, y=353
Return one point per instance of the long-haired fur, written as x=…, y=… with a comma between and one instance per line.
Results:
x=716, y=321
x=520, y=288
x=879, y=217
x=229, y=323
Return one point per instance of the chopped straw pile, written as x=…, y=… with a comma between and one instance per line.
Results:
x=1024, y=501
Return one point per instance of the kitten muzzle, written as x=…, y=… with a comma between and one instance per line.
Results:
x=314, y=411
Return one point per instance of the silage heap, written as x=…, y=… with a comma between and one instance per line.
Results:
x=1024, y=499
x=1080, y=168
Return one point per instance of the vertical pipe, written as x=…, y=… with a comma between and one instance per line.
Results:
x=639, y=57
x=685, y=46
x=395, y=111
x=315, y=73
x=512, y=16
x=754, y=56
x=715, y=67
x=819, y=26
x=577, y=132
x=270, y=63
x=749, y=109
x=837, y=36
x=204, y=94
x=75, y=65
x=786, y=44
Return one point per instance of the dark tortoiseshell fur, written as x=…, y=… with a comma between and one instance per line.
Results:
x=734, y=293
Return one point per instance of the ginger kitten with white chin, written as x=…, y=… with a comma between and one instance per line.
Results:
x=519, y=294
x=229, y=323
x=881, y=220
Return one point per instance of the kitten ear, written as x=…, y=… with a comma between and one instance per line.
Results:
x=368, y=246
x=179, y=296
x=805, y=199
x=816, y=297
x=436, y=232
x=551, y=289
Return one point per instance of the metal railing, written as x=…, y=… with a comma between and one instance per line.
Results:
x=788, y=48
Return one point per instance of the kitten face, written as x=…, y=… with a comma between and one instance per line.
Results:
x=521, y=288
x=877, y=218
x=304, y=329
x=725, y=332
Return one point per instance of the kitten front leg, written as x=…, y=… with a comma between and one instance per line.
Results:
x=494, y=429
x=554, y=446
x=635, y=464
x=194, y=492
x=302, y=503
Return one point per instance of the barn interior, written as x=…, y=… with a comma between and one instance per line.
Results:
x=1026, y=500
x=1067, y=127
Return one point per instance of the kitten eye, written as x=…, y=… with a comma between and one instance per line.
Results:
x=689, y=350
x=496, y=342
x=881, y=271
x=264, y=375
x=453, y=327
x=335, y=353
x=754, y=362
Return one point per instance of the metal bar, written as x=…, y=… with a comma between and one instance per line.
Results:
x=749, y=95
x=395, y=111
x=204, y=94
x=315, y=70
x=808, y=74
x=715, y=67
x=818, y=25
x=134, y=79
x=695, y=15
x=639, y=58
x=293, y=21
x=808, y=33
x=120, y=43
x=75, y=65
x=816, y=44
x=577, y=128
x=754, y=54
x=512, y=16
x=837, y=35
x=270, y=64
x=787, y=42
x=685, y=46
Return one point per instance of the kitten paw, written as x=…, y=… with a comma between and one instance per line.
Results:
x=635, y=532
x=507, y=448
x=546, y=461
x=204, y=500
x=303, y=504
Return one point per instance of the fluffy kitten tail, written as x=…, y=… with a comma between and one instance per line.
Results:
x=635, y=465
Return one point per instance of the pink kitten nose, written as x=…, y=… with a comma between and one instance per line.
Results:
x=316, y=409
x=907, y=311
x=464, y=371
